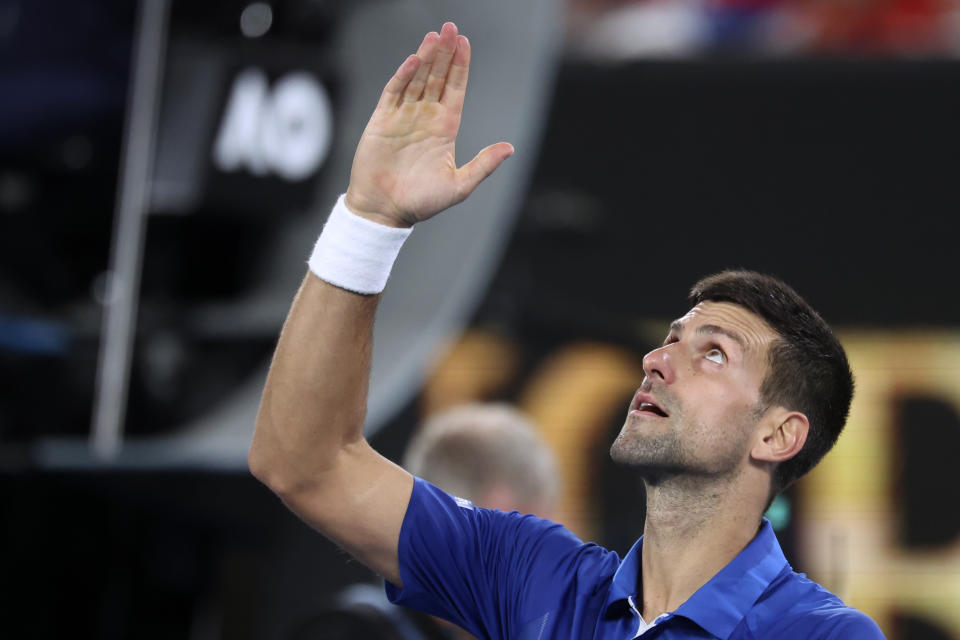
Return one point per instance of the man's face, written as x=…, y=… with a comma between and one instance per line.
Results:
x=699, y=402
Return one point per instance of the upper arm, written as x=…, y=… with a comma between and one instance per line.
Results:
x=308, y=444
x=487, y=571
x=359, y=502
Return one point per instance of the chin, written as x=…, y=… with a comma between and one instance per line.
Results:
x=637, y=453
x=657, y=452
x=625, y=447
x=617, y=454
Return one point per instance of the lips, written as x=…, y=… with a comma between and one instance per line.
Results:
x=652, y=408
x=644, y=403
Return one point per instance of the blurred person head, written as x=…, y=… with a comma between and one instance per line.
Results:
x=751, y=382
x=490, y=454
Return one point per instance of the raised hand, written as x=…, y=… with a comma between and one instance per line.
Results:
x=405, y=169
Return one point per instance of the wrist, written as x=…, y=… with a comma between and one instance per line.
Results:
x=354, y=252
x=359, y=207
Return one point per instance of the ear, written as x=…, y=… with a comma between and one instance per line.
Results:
x=782, y=435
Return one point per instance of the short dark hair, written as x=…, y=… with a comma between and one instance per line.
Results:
x=808, y=368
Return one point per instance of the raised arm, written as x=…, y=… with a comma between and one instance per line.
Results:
x=308, y=446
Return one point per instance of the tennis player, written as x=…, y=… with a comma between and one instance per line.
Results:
x=748, y=392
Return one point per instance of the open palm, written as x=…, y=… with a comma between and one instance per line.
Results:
x=405, y=170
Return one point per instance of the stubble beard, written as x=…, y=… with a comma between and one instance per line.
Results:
x=654, y=456
x=659, y=454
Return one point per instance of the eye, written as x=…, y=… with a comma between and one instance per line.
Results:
x=716, y=355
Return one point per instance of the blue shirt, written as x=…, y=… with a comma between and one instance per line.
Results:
x=518, y=577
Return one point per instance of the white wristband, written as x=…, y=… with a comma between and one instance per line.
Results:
x=354, y=253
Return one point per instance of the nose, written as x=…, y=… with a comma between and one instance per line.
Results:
x=659, y=364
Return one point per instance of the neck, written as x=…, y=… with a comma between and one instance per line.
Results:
x=694, y=527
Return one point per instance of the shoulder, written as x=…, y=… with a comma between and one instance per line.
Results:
x=436, y=519
x=797, y=607
x=434, y=512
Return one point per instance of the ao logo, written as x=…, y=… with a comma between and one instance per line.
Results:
x=285, y=130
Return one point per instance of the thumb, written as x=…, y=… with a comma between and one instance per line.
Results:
x=483, y=164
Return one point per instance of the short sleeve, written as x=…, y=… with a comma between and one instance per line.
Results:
x=487, y=571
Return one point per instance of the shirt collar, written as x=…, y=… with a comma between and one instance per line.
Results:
x=625, y=581
x=720, y=604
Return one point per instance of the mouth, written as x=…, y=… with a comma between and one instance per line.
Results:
x=643, y=403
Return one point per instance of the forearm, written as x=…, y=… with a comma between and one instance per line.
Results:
x=314, y=401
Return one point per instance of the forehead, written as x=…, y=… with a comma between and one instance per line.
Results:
x=750, y=329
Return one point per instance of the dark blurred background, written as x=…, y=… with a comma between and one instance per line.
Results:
x=658, y=141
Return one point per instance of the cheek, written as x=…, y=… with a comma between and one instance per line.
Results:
x=713, y=395
x=718, y=405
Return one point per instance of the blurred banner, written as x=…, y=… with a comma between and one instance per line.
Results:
x=879, y=520
x=628, y=29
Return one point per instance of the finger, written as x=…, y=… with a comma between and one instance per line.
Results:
x=393, y=92
x=426, y=53
x=456, y=86
x=477, y=170
x=441, y=64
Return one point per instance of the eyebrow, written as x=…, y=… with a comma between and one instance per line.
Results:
x=711, y=329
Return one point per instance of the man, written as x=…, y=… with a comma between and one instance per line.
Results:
x=748, y=391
